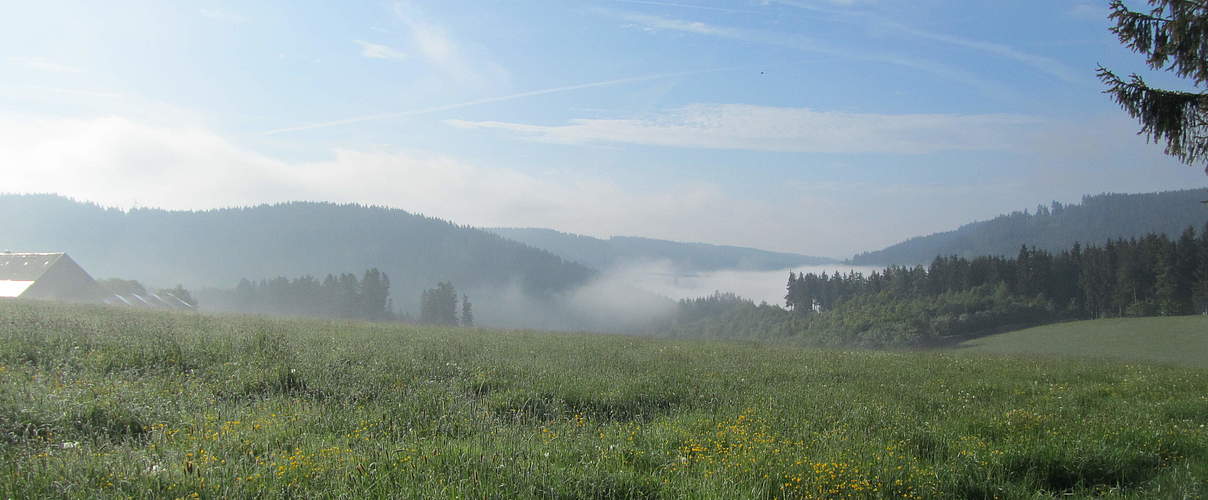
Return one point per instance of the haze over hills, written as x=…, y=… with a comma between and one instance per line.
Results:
x=685, y=257
x=216, y=248
x=1056, y=227
x=510, y=284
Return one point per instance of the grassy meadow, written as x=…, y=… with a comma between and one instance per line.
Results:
x=1176, y=340
x=104, y=402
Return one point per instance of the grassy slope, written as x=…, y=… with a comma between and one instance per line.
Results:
x=1181, y=340
x=109, y=402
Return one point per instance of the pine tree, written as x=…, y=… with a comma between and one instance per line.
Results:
x=375, y=291
x=790, y=296
x=1199, y=291
x=439, y=305
x=1173, y=36
x=467, y=313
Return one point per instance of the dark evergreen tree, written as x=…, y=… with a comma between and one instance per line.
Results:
x=245, y=292
x=1185, y=262
x=1199, y=288
x=1173, y=36
x=375, y=293
x=438, y=306
x=348, y=295
x=335, y=297
x=790, y=300
x=467, y=312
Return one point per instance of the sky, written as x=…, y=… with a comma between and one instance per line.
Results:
x=822, y=127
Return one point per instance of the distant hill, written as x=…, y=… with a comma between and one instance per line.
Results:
x=215, y=248
x=605, y=254
x=1056, y=227
x=1178, y=340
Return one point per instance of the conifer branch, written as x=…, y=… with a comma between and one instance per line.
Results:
x=1174, y=35
x=1179, y=118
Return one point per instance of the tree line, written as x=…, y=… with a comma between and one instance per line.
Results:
x=1054, y=227
x=334, y=296
x=955, y=298
x=340, y=296
x=1147, y=276
x=438, y=306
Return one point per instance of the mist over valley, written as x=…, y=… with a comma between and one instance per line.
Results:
x=604, y=249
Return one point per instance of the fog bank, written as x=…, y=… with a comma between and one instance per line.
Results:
x=635, y=297
x=663, y=279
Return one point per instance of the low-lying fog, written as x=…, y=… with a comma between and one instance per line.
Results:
x=662, y=278
x=632, y=297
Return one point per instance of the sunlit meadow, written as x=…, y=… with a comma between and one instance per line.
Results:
x=101, y=402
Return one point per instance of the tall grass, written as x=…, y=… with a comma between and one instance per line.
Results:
x=101, y=402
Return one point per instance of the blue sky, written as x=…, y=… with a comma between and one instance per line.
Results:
x=824, y=127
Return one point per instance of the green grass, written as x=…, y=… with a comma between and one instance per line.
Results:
x=1179, y=340
x=99, y=402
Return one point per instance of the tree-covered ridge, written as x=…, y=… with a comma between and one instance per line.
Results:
x=1153, y=275
x=955, y=297
x=216, y=248
x=1055, y=227
x=604, y=254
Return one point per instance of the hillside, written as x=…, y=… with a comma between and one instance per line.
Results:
x=687, y=257
x=1180, y=340
x=1056, y=227
x=215, y=248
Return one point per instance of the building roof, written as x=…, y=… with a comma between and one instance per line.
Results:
x=55, y=276
x=162, y=300
x=19, y=271
x=46, y=276
x=10, y=288
x=26, y=266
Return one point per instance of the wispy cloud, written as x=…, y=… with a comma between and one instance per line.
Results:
x=378, y=51
x=688, y=6
x=654, y=23
x=810, y=45
x=1039, y=62
x=1042, y=63
x=42, y=64
x=762, y=128
x=823, y=6
x=433, y=42
x=223, y=15
x=77, y=92
x=489, y=100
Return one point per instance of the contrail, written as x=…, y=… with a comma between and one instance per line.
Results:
x=688, y=6
x=488, y=100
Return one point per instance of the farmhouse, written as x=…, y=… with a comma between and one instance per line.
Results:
x=46, y=276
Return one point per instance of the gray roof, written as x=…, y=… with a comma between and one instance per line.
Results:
x=162, y=300
x=26, y=266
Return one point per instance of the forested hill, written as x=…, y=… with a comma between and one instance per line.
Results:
x=1056, y=227
x=216, y=248
x=604, y=254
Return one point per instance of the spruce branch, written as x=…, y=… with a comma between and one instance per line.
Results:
x=1178, y=118
x=1173, y=36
